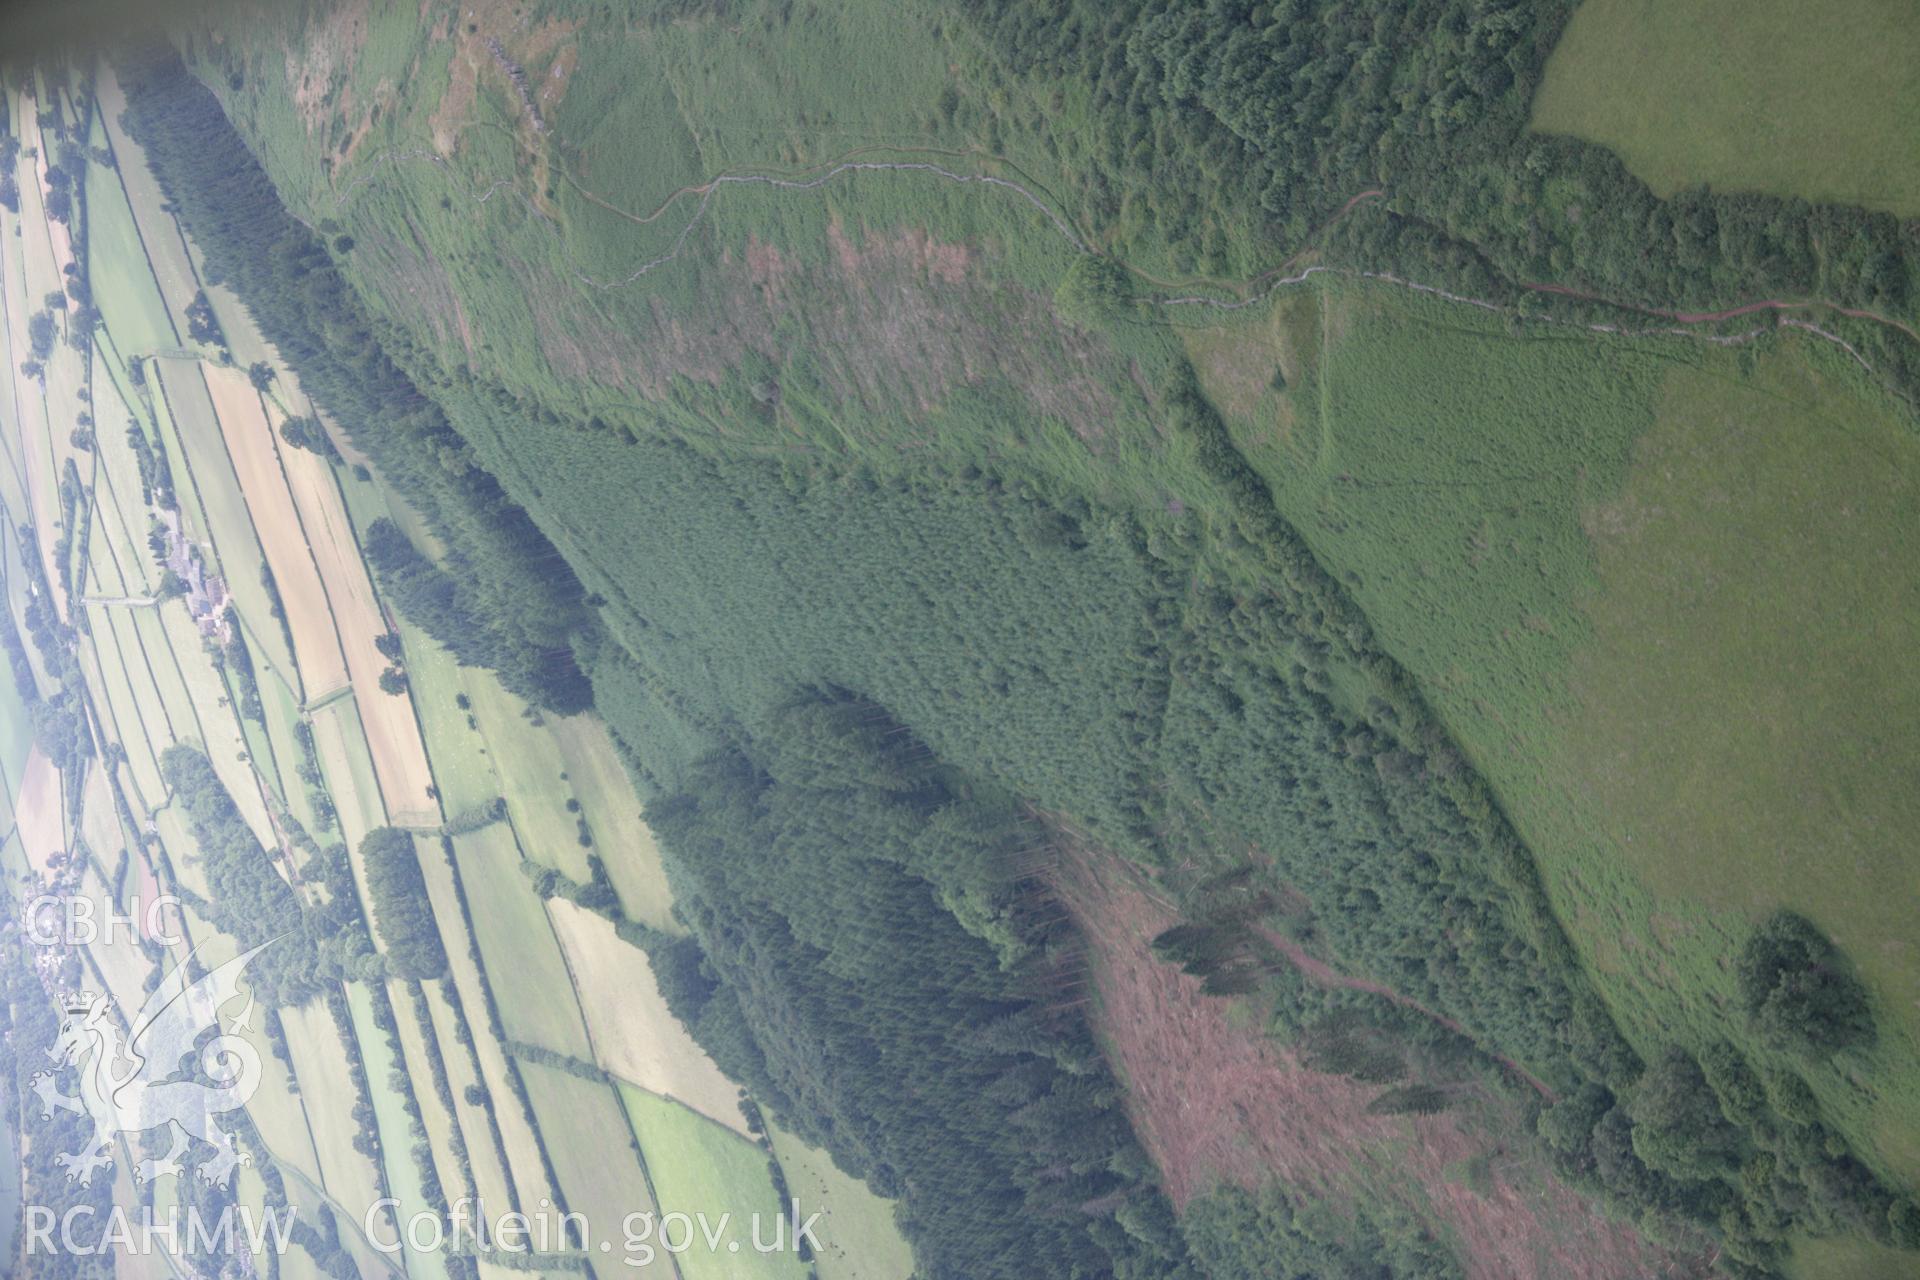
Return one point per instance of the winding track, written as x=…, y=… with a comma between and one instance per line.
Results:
x=1263, y=285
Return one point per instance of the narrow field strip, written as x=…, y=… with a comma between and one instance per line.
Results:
x=319, y=666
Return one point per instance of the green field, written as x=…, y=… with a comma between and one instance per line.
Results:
x=469, y=987
x=1767, y=96
x=524, y=966
x=16, y=735
x=128, y=688
x=462, y=763
x=491, y=1179
x=698, y=1167
x=861, y=1240
x=236, y=545
x=327, y=1095
x=425, y=1059
x=139, y=320
x=599, y=1173
x=348, y=769
x=397, y=1143
x=283, y=714
x=531, y=772
x=612, y=811
x=1745, y=765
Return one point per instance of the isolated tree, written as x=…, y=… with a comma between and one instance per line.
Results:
x=1799, y=989
x=40, y=334
x=1096, y=291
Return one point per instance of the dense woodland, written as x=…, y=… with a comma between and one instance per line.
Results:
x=858, y=705
x=944, y=1065
x=30, y=1021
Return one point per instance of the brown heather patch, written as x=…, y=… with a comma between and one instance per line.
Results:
x=1214, y=1100
x=767, y=268
x=326, y=48
x=1234, y=366
x=900, y=321
x=460, y=321
x=455, y=107
x=384, y=98
x=547, y=56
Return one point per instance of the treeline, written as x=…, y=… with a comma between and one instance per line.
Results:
x=1224, y=130
x=30, y=1024
x=401, y=909
x=449, y=608
x=887, y=1032
x=520, y=601
x=1461, y=902
x=251, y=900
x=316, y=944
x=59, y=717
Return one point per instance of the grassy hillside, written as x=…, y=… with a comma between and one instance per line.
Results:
x=1616, y=570
x=1400, y=618
x=1746, y=97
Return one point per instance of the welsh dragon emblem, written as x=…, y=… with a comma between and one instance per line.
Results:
x=138, y=1083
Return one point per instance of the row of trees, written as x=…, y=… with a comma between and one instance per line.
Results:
x=30, y=1022
x=317, y=943
x=58, y=715
x=522, y=602
x=401, y=909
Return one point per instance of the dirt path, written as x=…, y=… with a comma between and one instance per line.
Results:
x=1263, y=284
x=1327, y=976
x=1324, y=974
x=1709, y=317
